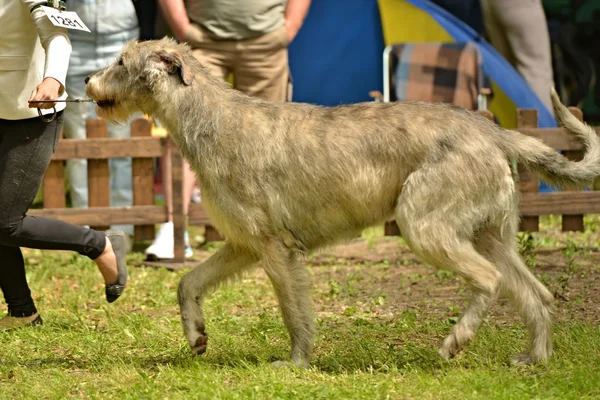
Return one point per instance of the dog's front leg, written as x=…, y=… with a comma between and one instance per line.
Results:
x=222, y=265
x=291, y=282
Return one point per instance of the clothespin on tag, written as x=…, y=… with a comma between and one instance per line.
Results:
x=57, y=4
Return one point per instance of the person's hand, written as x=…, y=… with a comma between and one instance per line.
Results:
x=47, y=90
x=292, y=30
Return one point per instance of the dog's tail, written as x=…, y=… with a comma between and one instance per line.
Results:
x=546, y=162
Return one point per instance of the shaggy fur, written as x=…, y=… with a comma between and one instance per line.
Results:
x=281, y=179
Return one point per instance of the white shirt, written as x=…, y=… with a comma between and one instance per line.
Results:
x=31, y=49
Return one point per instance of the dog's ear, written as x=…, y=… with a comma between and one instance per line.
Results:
x=173, y=63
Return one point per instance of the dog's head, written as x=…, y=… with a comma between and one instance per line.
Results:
x=141, y=72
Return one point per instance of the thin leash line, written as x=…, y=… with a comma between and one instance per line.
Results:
x=63, y=101
x=54, y=108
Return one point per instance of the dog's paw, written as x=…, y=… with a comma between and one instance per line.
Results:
x=527, y=358
x=455, y=342
x=450, y=348
x=200, y=345
x=291, y=364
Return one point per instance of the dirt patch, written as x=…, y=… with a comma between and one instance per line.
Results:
x=361, y=272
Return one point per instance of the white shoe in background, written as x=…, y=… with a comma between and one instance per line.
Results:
x=163, y=247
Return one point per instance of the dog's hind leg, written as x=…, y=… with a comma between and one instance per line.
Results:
x=529, y=295
x=226, y=263
x=442, y=247
x=291, y=283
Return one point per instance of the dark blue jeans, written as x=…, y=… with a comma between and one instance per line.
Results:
x=26, y=147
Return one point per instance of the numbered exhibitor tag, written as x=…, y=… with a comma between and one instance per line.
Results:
x=65, y=19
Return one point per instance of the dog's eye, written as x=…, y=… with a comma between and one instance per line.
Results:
x=120, y=62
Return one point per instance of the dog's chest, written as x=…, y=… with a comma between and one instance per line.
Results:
x=235, y=220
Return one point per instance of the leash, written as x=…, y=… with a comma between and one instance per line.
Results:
x=54, y=109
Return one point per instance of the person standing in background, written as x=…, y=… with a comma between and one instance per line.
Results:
x=112, y=24
x=519, y=31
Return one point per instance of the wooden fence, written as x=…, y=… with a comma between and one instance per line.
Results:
x=98, y=149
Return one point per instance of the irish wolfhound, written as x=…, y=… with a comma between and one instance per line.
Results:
x=281, y=179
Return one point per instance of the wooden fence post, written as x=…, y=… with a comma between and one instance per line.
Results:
x=54, y=184
x=142, y=179
x=528, y=182
x=179, y=217
x=98, y=171
x=390, y=228
x=573, y=222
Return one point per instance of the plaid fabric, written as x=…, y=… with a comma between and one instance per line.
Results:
x=436, y=72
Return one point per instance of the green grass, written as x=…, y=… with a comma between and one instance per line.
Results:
x=371, y=343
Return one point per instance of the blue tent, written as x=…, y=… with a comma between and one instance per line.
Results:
x=336, y=57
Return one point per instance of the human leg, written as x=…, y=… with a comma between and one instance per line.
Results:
x=261, y=68
x=121, y=175
x=75, y=115
x=522, y=26
x=13, y=283
x=163, y=246
x=25, y=151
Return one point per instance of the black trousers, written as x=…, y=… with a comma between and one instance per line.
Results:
x=26, y=147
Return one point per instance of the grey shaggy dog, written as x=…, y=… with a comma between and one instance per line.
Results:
x=279, y=180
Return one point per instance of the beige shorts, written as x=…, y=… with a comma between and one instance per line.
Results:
x=259, y=65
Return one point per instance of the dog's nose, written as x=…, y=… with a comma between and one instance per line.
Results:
x=87, y=79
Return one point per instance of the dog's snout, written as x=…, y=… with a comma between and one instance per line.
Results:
x=87, y=79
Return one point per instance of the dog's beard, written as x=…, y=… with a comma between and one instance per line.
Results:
x=114, y=113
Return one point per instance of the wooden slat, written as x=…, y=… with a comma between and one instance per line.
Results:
x=98, y=172
x=565, y=203
x=197, y=215
x=102, y=148
x=179, y=216
x=212, y=235
x=54, y=185
x=105, y=215
x=573, y=222
x=528, y=182
x=556, y=138
x=390, y=228
x=143, y=179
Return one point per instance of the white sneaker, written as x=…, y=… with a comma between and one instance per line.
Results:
x=163, y=247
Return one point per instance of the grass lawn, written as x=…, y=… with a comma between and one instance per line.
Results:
x=381, y=315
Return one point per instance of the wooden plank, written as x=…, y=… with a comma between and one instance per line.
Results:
x=390, y=228
x=212, y=235
x=143, y=178
x=53, y=185
x=528, y=183
x=105, y=215
x=98, y=172
x=167, y=264
x=197, y=215
x=179, y=216
x=566, y=203
x=573, y=222
x=557, y=138
x=102, y=148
